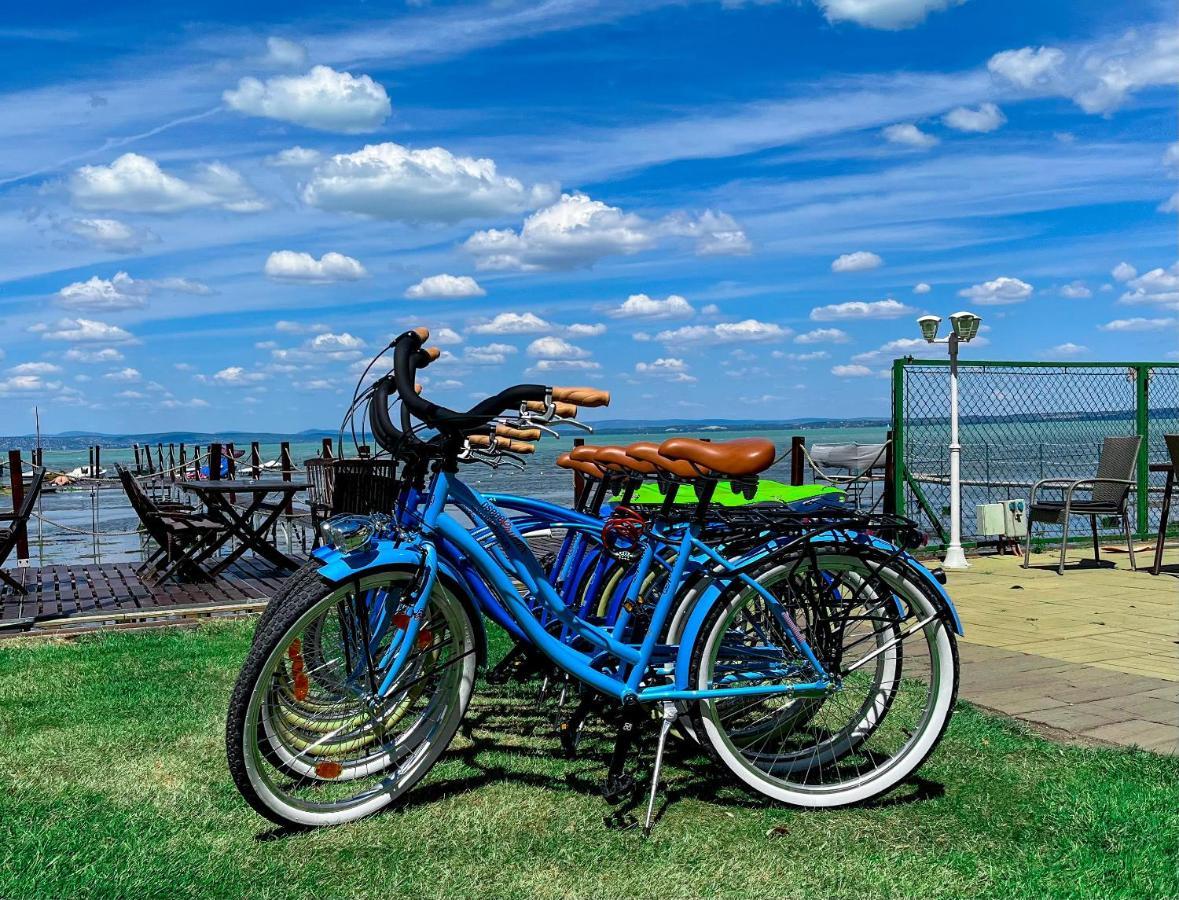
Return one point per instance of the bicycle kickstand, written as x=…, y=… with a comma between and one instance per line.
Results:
x=670, y=713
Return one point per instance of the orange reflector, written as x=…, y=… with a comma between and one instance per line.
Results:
x=401, y=620
x=425, y=638
x=302, y=687
x=297, y=665
x=295, y=649
x=328, y=769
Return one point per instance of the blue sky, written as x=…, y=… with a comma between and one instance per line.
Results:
x=211, y=221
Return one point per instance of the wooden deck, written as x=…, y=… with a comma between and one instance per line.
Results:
x=65, y=599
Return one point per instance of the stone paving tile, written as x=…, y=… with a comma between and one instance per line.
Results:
x=1139, y=733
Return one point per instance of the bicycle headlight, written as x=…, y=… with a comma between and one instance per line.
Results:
x=347, y=534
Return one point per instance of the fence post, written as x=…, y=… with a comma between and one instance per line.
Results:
x=326, y=451
x=171, y=461
x=16, y=479
x=255, y=460
x=138, y=467
x=797, y=442
x=1142, y=428
x=196, y=461
x=890, y=497
x=215, y=461
x=183, y=464
x=898, y=432
x=284, y=458
x=97, y=460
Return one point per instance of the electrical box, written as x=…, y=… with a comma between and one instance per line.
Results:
x=1015, y=518
x=991, y=519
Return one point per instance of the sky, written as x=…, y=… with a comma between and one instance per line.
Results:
x=213, y=215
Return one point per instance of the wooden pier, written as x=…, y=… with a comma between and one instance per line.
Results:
x=67, y=599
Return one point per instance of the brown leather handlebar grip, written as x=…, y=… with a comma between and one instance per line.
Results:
x=582, y=396
x=484, y=441
x=523, y=434
x=564, y=410
x=432, y=353
x=423, y=332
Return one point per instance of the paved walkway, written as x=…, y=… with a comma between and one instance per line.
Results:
x=1093, y=653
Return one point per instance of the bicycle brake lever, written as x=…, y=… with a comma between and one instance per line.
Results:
x=576, y=424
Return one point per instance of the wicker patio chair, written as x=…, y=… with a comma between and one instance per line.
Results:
x=1107, y=493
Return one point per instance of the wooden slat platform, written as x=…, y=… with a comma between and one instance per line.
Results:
x=88, y=592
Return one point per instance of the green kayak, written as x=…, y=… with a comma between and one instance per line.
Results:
x=725, y=496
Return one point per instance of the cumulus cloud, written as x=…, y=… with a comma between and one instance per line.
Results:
x=27, y=384
x=669, y=368
x=389, y=181
x=451, y=287
x=887, y=15
x=726, y=332
x=910, y=135
x=85, y=331
x=921, y=288
x=1066, y=349
x=1028, y=67
x=1138, y=324
x=1076, y=290
x=850, y=371
x=445, y=336
x=294, y=158
x=122, y=292
x=640, y=306
x=822, y=336
x=327, y=345
x=585, y=329
x=285, y=53
x=512, y=323
x=493, y=354
x=1159, y=286
x=100, y=355
x=907, y=347
x=127, y=374
x=134, y=183
x=985, y=118
x=1123, y=271
x=35, y=368
x=323, y=99
x=577, y=231
x=551, y=347
x=860, y=261
x=556, y=365
x=998, y=292
x=861, y=309
x=236, y=376
x=109, y=234
x=287, y=265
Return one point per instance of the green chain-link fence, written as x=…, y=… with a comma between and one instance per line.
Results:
x=1020, y=422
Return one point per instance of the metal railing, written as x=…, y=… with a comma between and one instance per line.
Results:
x=1023, y=421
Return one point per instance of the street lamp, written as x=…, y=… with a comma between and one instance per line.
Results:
x=964, y=326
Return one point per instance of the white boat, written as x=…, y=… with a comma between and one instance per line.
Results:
x=86, y=472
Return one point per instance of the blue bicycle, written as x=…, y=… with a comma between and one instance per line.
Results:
x=814, y=661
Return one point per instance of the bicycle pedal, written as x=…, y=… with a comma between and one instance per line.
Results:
x=615, y=789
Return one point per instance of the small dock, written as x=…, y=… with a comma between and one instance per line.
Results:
x=68, y=599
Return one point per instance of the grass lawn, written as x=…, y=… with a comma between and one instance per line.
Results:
x=113, y=783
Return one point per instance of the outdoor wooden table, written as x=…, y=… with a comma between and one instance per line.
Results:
x=1166, y=512
x=239, y=521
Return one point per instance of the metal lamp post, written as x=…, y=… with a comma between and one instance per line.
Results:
x=964, y=327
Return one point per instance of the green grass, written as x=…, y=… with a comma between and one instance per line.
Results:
x=113, y=783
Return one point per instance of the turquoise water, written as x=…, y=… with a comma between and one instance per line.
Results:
x=86, y=510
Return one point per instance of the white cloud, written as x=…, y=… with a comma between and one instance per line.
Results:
x=640, y=306
x=35, y=368
x=801, y=357
x=908, y=134
x=998, y=292
x=389, y=181
x=860, y=309
x=327, y=346
x=666, y=368
x=860, y=261
x=1066, y=349
x=451, y=287
x=125, y=375
x=236, y=375
x=1123, y=271
x=822, y=336
x=1076, y=290
x=921, y=288
x=888, y=15
x=100, y=355
x=908, y=347
x=1138, y=324
x=134, y=183
x=986, y=118
x=287, y=265
x=488, y=355
x=1156, y=286
x=294, y=158
x=726, y=332
x=445, y=336
x=1028, y=67
x=585, y=329
x=556, y=365
x=512, y=323
x=109, y=234
x=323, y=99
x=551, y=347
x=121, y=292
x=850, y=371
x=85, y=331
x=288, y=327
x=285, y=53
x=20, y=384
x=577, y=231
